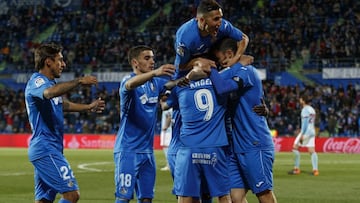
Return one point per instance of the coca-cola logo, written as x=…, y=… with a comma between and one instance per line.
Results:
x=351, y=145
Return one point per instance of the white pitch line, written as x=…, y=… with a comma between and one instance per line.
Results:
x=290, y=161
x=15, y=174
x=87, y=166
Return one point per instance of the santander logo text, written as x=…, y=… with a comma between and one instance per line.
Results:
x=351, y=145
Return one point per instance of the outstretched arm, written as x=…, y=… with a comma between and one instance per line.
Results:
x=64, y=87
x=223, y=86
x=97, y=106
x=140, y=79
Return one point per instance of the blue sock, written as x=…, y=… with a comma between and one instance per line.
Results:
x=62, y=200
x=314, y=161
x=297, y=158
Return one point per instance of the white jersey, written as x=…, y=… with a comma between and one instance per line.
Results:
x=308, y=116
x=165, y=135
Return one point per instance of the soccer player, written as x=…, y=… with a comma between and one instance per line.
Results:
x=45, y=107
x=306, y=137
x=202, y=155
x=252, y=145
x=167, y=103
x=165, y=134
x=195, y=37
x=133, y=150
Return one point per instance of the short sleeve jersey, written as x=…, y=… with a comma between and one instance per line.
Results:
x=138, y=116
x=202, y=114
x=250, y=131
x=45, y=117
x=189, y=43
x=308, y=121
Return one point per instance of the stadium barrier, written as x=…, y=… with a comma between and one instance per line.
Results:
x=101, y=141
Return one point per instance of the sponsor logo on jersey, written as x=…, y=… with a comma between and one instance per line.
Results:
x=57, y=100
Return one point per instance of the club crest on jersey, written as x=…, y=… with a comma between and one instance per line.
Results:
x=123, y=190
x=39, y=82
x=70, y=184
x=144, y=99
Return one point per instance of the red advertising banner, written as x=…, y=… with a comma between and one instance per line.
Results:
x=71, y=141
x=333, y=145
x=99, y=141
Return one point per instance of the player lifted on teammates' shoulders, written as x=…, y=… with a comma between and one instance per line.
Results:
x=195, y=37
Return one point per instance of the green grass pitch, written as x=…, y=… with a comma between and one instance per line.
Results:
x=339, y=180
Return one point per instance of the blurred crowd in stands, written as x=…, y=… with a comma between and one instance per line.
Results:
x=97, y=36
x=335, y=117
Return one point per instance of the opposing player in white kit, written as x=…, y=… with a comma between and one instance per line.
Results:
x=306, y=137
x=166, y=134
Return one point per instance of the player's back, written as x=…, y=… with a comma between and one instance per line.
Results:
x=308, y=120
x=202, y=115
x=250, y=131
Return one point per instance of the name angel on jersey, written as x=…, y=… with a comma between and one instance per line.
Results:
x=199, y=83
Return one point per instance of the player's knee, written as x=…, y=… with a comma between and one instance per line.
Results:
x=265, y=196
x=43, y=201
x=72, y=196
x=145, y=200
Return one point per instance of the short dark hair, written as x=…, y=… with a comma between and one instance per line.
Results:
x=306, y=97
x=134, y=52
x=225, y=44
x=44, y=51
x=207, y=6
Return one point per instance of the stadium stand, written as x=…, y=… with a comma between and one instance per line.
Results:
x=293, y=41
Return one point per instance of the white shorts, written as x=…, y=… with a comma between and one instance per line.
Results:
x=307, y=141
x=165, y=138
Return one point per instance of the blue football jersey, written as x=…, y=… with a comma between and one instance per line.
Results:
x=189, y=43
x=45, y=117
x=176, y=121
x=250, y=131
x=202, y=115
x=138, y=116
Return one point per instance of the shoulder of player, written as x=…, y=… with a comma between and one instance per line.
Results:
x=185, y=34
x=38, y=79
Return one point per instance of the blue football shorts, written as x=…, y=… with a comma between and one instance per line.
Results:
x=134, y=172
x=252, y=170
x=53, y=175
x=171, y=161
x=195, y=167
